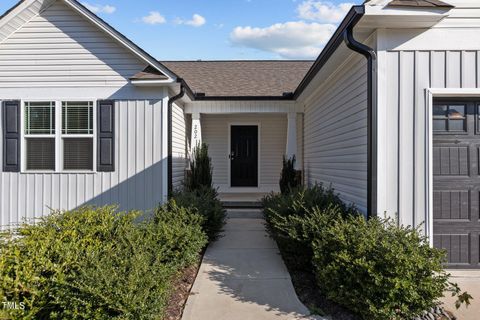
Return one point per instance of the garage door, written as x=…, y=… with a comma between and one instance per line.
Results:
x=456, y=181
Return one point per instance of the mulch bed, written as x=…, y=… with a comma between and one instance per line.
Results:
x=182, y=286
x=310, y=295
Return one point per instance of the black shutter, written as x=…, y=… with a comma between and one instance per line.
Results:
x=106, y=136
x=11, y=136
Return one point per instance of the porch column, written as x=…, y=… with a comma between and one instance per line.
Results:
x=291, y=135
x=196, y=132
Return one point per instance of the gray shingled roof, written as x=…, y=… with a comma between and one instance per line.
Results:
x=149, y=73
x=241, y=78
x=420, y=3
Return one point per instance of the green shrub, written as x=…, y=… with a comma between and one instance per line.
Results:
x=288, y=178
x=205, y=201
x=294, y=206
x=375, y=268
x=97, y=263
x=200, y=169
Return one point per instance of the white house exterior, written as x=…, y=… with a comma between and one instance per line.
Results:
x=388, y=115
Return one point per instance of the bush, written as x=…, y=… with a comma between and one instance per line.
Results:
x=284, y=212
x=288, y=179
x=204, y=200
x=200, y=169
x=375, y=268
x=97, y=263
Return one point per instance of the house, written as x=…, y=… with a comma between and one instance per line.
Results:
x=389, y=115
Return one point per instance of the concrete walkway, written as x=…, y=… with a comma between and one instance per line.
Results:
x=243, y=277
x=468, y=280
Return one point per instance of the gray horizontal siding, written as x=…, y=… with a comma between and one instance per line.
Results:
x=136, y=183
x=178, y=145
x=58, y=46
x=335, y=141
x=21, y=16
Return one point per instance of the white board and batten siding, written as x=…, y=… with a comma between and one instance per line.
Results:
x=58, y=55
x=409, y=63
x=136, y=182
x=335, y=132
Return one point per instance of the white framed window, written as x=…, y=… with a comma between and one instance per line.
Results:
x=39, y=120
x=59, y=136
x=77, y=135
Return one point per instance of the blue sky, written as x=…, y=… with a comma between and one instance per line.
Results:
x=223, y=29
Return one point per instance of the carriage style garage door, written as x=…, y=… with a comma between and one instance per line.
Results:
x=456, y=181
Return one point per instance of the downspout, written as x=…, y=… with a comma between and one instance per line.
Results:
x=170, y=135
x=371, y=56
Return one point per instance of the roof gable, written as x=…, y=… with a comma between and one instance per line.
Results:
x=25, y=10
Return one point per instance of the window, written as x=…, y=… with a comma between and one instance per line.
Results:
x=77, y=133
x=54, y=146
x=449, y=117
x=40, y=135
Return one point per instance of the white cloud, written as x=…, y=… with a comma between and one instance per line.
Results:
x=154, y=17
x=95, y=8
x=297, y=39
x=323, y=11
x=196, y=21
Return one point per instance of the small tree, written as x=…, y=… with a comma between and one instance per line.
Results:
x=200, y=169
x=289, y=179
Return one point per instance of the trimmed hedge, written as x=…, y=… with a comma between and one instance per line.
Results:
x=96, y=263
x=375, y=268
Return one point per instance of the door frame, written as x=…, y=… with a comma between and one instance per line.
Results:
x=431, y=94
x=229, y=150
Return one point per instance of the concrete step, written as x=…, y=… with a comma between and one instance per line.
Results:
x=242, y=204
x=244, y=214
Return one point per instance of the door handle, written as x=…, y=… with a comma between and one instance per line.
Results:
x=231, y=156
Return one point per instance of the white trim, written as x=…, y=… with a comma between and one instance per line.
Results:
x=259, y=184
x=242, y=107
x=454, y=92
x=58, y=136
x=148, y=83
x=432, y=93
x=164, y=149
x=119, y=38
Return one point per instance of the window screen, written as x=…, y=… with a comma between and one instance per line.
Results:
x=78, y=154
x=39, y=118
x=77, y=118
x=40, y=153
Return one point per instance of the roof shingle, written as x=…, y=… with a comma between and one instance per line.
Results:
x=420, y=3
x=241, y=78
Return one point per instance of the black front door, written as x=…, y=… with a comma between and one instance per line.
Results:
x=244, y=156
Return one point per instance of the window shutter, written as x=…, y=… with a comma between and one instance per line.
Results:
x=106, y=136
x=11, y=136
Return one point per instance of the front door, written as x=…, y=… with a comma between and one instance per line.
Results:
x=244, y=156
